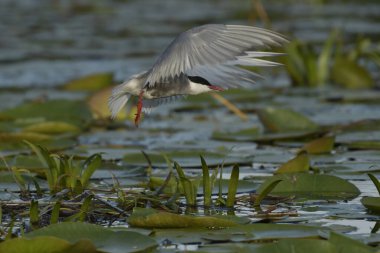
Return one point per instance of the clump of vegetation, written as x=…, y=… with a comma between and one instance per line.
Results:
x=313, y=66
x=63, y=172
x=190, y=186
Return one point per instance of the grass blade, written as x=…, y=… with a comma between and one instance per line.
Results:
x=264, y=193
x=376, y=227
x=19, y=179
x=55, y=213
x=34, y=214
x=85, y=208
x=38, y=188
x=206, y=183
x=166, y=182
x=10, y=229
x=187, y=185
x=232, y=186
x=220, y=200
x=375, y=181
x=90, y=165
x=42, y=154
x=324, y=59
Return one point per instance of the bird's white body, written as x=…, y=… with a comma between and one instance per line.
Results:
x=200, y=60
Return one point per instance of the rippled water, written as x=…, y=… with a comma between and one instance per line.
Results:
x=68, y=39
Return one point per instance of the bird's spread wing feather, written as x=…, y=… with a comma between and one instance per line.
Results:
x=215, y=48
x=150, y=104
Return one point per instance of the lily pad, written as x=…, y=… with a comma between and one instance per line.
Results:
x=298, y=246
x=150, y=218
x=18, y=137
x=69, y=111
x=350, y=74
x=14, y=141
x=52, y=127
x=104, y=239
x=361, y=125
x=371, y=203
x=284, y=120
x=364, y=145
x=252, y=233
x=45, y=244
x=300, y=163
x=336, y=243
x=320, y=146
x=348, y=245
x=241, y=135
x=312, y=186
x=90, y=82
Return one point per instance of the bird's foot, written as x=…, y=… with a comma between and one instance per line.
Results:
x=139, y=108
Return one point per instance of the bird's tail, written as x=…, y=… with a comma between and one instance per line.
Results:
x=117, y=100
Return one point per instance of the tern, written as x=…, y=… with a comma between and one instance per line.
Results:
x=203, y=59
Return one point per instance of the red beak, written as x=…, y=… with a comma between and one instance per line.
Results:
x=217, y=88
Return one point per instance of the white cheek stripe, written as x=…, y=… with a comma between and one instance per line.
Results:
x=196, y=88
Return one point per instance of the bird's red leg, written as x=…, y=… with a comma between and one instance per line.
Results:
x=139, y=108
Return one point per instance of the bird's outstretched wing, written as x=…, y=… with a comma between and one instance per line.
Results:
x=215, y=49
x=150, y=104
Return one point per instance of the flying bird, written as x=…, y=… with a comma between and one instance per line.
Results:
x=203, y=59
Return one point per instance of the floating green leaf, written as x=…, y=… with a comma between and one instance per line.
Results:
x=284, y=120
x=312, y=186
x=90, y=82
x=41, y=244
x=350, y=74
x=374, y=145
x=52, y=127
x=320, y=146
x=104, y=239
x=371, y=203
x=298, y=246
x=336, y=243
x=301, y=163
x=150, y=218
x=241, y=135
x=69, y=111
x=251, y=233
x=348, y=245
x=18, y=137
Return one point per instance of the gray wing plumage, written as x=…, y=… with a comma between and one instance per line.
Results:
x=213, y=51
x=150, y=104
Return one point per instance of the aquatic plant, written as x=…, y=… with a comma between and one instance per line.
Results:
x=372, y=203
x=63, y=172
x=312, y=66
